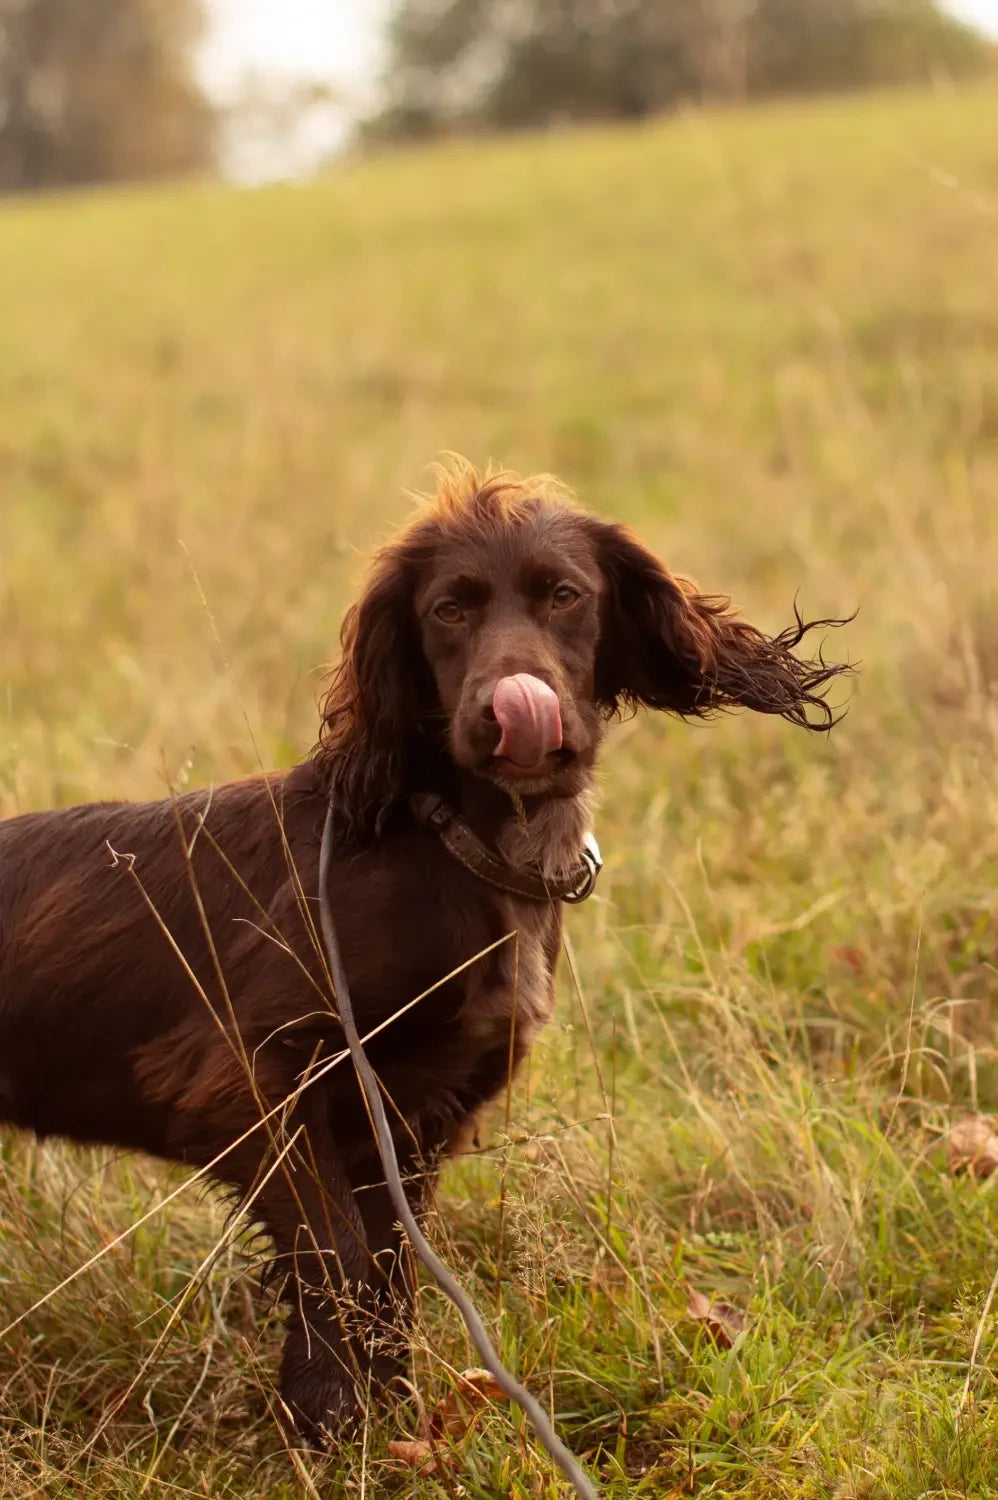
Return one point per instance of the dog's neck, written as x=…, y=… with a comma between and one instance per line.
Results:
x=543, y=833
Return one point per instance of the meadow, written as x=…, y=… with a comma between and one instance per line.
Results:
x=769, y=341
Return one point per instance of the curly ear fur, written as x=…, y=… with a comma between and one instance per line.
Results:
x=665, y=645
x=375, y=703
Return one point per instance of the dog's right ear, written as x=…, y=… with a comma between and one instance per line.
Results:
x=666, y=645
x=374, y=703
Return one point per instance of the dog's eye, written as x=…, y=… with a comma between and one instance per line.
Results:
x=564, y=595
x=449, y=611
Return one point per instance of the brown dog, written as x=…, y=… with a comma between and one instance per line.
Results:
x=161, y=984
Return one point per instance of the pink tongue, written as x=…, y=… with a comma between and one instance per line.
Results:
x=530, y=719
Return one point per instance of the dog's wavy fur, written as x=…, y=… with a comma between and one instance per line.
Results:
x=665, y=645
x=161, y=986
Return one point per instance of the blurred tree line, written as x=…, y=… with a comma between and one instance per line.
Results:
x=96, y=90
x=501, y=64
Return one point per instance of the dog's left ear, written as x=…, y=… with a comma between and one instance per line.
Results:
x=372, y=710
x=666, y=645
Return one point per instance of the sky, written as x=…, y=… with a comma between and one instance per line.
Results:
x=983, y=12
x=327, y=38
x=339, y=42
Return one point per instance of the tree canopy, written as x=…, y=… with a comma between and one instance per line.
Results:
x=95, y=90
x=466, y=64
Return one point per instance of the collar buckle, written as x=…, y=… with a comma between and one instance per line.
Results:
x=593, y=861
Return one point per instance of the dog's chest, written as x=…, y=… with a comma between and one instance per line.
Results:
x=512, y=994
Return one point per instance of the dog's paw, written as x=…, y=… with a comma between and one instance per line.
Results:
x=320, y=1412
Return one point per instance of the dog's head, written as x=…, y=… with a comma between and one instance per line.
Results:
x=504, y=627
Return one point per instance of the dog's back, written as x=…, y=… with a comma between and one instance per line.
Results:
x=103, y=948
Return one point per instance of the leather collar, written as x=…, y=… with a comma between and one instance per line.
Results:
x=431, y=811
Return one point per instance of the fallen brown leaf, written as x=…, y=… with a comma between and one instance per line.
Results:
x=453, y=1417
x=455, y=1414
x=851, y=957
x=973, y=1146
x=415, y=1452
x=721, y=1320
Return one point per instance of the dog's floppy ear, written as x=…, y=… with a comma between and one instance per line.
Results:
x=372, y=710
x=666, y=645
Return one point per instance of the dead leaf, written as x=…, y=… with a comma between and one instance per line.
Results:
x=973, y=1146
x=456, y=1413
x=414, y=1452
x=851, y=957
x=453, y=1417
x=483, y=1385
x=721, y=1320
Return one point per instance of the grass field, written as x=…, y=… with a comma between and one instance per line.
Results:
x=769, y=341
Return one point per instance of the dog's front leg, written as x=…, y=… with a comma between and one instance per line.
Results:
x=321, y=1256
x=391, y=1287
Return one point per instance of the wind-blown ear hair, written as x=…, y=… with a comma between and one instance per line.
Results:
x=376, y=701
x=665, y=645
